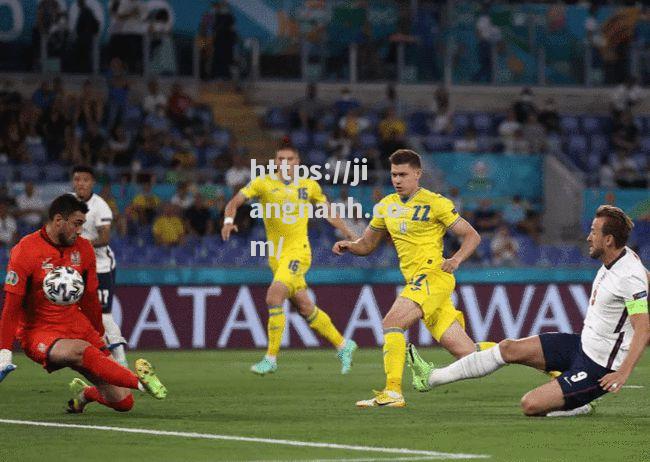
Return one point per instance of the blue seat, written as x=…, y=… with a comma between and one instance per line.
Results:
x=438, y=143
x=299, y=139
x=483, y=123
x=569, y=125
x=275, y=118
x=316, y=157
x=577, y=148
x=321, y=139
x=368, y=140
x=599, y=143
x=55, y=172
x=417, y=123
x=37, y=153
x=645, y=144
x=30, y=172
x=6, y=173
x=591, y=125
x=220, y=138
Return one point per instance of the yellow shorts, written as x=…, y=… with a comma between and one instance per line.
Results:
x=290, y=270
x=432, y=291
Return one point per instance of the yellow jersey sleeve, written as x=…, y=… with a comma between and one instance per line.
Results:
x=445, y=211
x=317, y=196
x=378, y=221
x=254, y=188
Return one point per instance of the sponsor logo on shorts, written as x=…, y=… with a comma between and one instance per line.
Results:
x=41, y=347
x=640, y=295
x=12, y=278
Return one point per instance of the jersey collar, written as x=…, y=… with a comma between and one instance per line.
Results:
x=47, y=239
x=621, y=255
x=404, y=201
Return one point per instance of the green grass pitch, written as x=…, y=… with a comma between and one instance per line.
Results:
x=307, y=400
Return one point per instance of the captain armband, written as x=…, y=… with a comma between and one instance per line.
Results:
x=638, y=305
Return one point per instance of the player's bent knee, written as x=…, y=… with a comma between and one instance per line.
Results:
x=530, y=406
x=508, y=348
x=125, y=405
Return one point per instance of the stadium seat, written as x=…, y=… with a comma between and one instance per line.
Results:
x=483, y=123
x=30, y=172
x=368, y=140
x=300, y=139
x=220, y=138
x=569, y=125
x=599, y=143
x=591, y=125
x=321, y=139
x=438, y=143
x=645, y=144
x=55, y=172
x=37, y=153
x=417, y=123
x=6, y=173
x=577, y=149
x=276, y=119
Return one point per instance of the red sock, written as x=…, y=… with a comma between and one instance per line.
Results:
x=93, y=394
x=107, y=369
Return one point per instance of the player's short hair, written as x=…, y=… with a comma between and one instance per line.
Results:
x=406, y=156
x=65, y=205
x=617, y=223
x=83, y=169
x=286, y=145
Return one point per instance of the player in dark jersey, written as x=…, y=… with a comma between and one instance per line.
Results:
x=57, y=336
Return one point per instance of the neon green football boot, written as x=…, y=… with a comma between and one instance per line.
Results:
x=420, y=369
x=77, y=404
x=265, y=366
x=345, y=355
x=149, y=380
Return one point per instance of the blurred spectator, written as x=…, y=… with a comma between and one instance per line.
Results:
x=54, y=129
x=157, y=121
x=47, y=15
x=126, y=29
x=549, y=116
x=13, y=141
x=353, y=123
x=30, y=207
x=339, y=144
x=118, y=93
x=442, y=113
x=8, y=226
x=168, y=229
x=625, y=134
x=154, y=98
x=534, y=134
x=487, y=34
x=146, y=203
x=93, y=144
x=71, y=152
x=518, y=144
x=524, y=106
x=107, y=194
x=162, y=59
x=504, y=248
x=508, y=127
x=178, y=107
x=185, y=155
x=225, y=39
x=626, y=171
x=391, y=126
x=454, y=196
x=43, y=96
x=306, y=111
x=345, y=103
x=87, y=28
x=468, y=143
x=6, y=197
x=205, y=41
x=239, y=174
x=390, y=101
x=198, y=216
x=58, y=88
x=182, y=197
x=625, y=97
x=119, y=145
x=90, y=108
x=515, y=212
x=486, y=218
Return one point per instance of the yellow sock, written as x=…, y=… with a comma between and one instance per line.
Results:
x=322, y=323
x=274, y=328
x=394, y=358
x=480, y=346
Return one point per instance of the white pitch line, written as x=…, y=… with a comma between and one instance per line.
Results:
x=392, y=459
x=633, y=386
x=210, y=436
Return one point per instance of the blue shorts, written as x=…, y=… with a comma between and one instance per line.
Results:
x=580, y=375
x=105, y=290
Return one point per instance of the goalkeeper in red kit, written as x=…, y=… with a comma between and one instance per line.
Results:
x=58, y=336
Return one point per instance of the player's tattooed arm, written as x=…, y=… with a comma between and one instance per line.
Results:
x=229, y=215
x=470, y=239
x=365, y=245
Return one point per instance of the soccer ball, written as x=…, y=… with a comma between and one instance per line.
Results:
x=63, y=285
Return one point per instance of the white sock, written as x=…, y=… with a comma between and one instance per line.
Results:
x=585, y=409
x=120, y=355
x=141, y=387
x=273, y=359
x=112, y=330
x=473, y=365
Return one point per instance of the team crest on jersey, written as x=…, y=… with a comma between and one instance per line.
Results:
x=402, y=227
x=12, y=278
x=46, y=265
x=75, y=258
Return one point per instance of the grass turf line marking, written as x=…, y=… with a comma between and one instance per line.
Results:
x=636, y=387
x=392, y=459
x=210, y=436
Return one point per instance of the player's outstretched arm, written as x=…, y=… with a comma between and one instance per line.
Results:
x=470, y=240
x=614, y=381
x=365, y=245
x=229, y=215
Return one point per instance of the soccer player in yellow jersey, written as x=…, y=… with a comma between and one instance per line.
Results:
x=288, y=233
x=417, y=219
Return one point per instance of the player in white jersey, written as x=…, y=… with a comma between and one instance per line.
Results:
x=97, y=230
x=600, y=360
